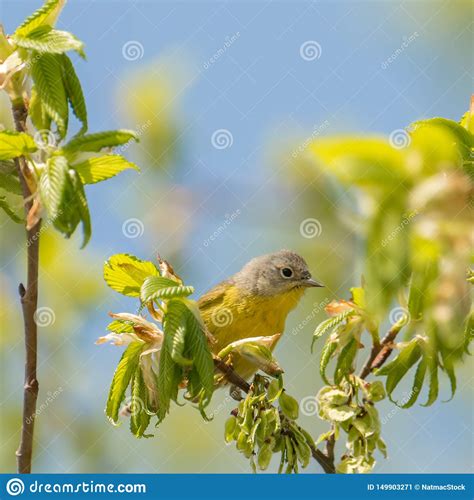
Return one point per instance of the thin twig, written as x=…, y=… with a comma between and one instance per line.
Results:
x=234, y=378
x=29, y=302
x=380, y=352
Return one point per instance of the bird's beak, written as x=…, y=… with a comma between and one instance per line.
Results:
x=312, y=282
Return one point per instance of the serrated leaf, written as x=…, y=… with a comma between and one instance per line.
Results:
x=157, y=287
x=14, y=144
x=52, y=183
x=100, y=140
x=73, y=90
x=48, y=40
x=174, y=325
x=126, y=273
x=326, y=354
x=37, y=113
x=448, y=367
x=118, y=326
x=417, y=384
x=329, y=324
x=344, y=365
x=104, y=167
x=200, y=354
x=82, y=207
x=122, y=377
x=409, y=354
x=139, y=418
x=45, y=15
x=432, y=360
x=47, y=73
x=9, y=211
x=169, y=378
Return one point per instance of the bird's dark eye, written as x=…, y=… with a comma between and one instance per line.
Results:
x=286, y=272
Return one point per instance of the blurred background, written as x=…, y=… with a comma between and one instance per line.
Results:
x=223, y=95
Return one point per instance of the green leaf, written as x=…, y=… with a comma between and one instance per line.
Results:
x=14, y=144
x=139, y=418
x=464, y=140
x=47, y=73
x=45, y=15
x=52, y=184
x=409, y=354
x=122, y=377
x=200, y=353
x=9, y=180
x=432, y=360
x=39, y=117
x=363, y=162
x=104, y=167
x=417, y=384
x=126, y=273
x=329, y=324
x=48, y=40
x=82, y=207
x=174, y=325
x=169, y=378
x=120, y=326
x=448, y=367
x=100, y=140
x=326, y=354
x=9, y=211
x=157, y=287
x=73, y=90
x=345, y=361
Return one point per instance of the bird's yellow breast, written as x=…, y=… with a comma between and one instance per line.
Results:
x=231, y=314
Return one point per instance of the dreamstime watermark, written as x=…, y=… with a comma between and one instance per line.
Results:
x=403, y=401
x=133, y=405
x=45, y=139
x=133, y=228
x=222, y=139
x=47, y=223
x=407, y=41
x=317, y=130
x=405, y=221
x=399, y=138
x=311, y=228
x=52, y=396
x=399, y=315
x=133, y=50
x=228, y=42
x=139, y=132
x=229, y=218
x=317, y=308
x=222, y=317
x=15, y=487
x=310, y=50
x=44, y=316
x=309, y=406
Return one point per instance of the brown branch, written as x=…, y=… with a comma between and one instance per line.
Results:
x=29, y=301
x=232, y=376
x=381, y=351
x=325, y=461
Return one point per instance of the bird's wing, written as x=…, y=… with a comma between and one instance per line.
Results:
x=213, y=297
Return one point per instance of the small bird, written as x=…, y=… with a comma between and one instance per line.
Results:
x=255, y=302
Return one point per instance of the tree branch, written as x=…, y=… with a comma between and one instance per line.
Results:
x=325, y=461
x=29, y=302
x=381, y=351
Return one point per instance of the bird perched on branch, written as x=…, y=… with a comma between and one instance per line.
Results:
x=255, y=303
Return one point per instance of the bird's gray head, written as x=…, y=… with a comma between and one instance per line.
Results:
x=275, y=273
